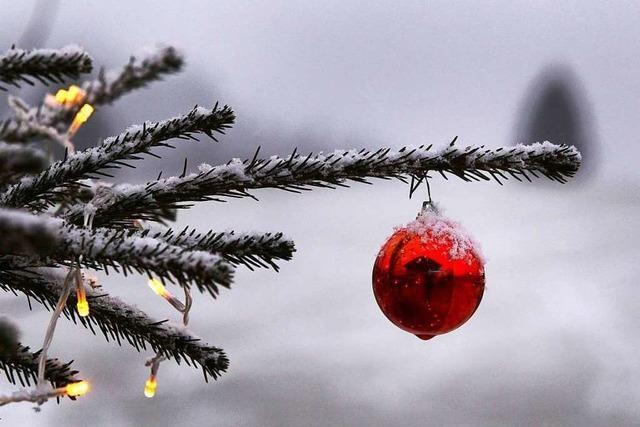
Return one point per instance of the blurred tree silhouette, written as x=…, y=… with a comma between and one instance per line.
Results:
x=555, y=108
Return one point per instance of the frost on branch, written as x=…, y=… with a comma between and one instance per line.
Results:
x=250, y=249
x=112, y=153
x=45, y=65
x=108, y=87
x=51, y=240
x=120, y=322
x=17, y=160
x=21, y=367
x=299, y=172
x=137, y=73
x=128, y=250
x=26, y=234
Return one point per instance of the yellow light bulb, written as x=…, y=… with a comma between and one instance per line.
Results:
x=83, y=308
x=77, y=389
x=74, y=95
x=82, y=305
x=61, y=96
x=159, y=288
x=150, y=386
x=81, y=117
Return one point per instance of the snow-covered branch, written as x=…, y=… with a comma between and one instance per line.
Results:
x=21, y=366
x=51, y=119
x=37, y=395
x=298, y=172
x=253, y=249
x=112, y=153
x=120, y=322
x=250, y=249
x=45, y=65
x=137, y=73
x=48, y=239
x=104, y=248
x=17, y=160
x=26, y=234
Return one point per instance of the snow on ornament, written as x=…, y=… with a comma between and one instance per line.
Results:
x=428, y=278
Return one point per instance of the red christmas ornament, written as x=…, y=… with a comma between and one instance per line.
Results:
x=428, y=278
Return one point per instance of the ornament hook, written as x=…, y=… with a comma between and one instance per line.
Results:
x=415, y=183
x=429, y=204
x=426, y=180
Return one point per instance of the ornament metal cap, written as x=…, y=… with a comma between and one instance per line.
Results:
x=429, y=206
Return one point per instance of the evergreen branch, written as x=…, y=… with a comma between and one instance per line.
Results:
x=250, y=249
x=26, y=234
x=14, y=130
x=45, y=240
x=103, y=248
x=44, y=65
x=136, y=74
x=21, y=367
x=118, y=321
x=17, y=160
x=94, y=191
x=41, y=123
x=108, y=87
x=37, y=395
x=139, y=139
x=30, y=124
x=298, y=172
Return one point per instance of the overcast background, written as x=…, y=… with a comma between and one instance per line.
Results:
x=556, y=338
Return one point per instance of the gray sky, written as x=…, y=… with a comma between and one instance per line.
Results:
x=555, y=339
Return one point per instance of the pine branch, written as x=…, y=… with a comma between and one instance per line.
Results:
x=297, y=172
x=26, y=234
x=46, y=240
x=108, y=87
x=19, y=160
x=128, y=250
x=136, y=74
x=94, y=191
x=28, y=121
x=46, y=188
x=22, y=367
x=119, y=322
x=45, y=65
x=250, y=249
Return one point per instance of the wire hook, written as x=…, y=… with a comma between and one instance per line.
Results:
x=415, y=183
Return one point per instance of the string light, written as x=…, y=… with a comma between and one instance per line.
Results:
x=159, y=289
x=150, y=386
x=81, y=117
x=61, y=96
x=75, y=95
x=69, y=97
x=76, y=389
x=82, y=305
